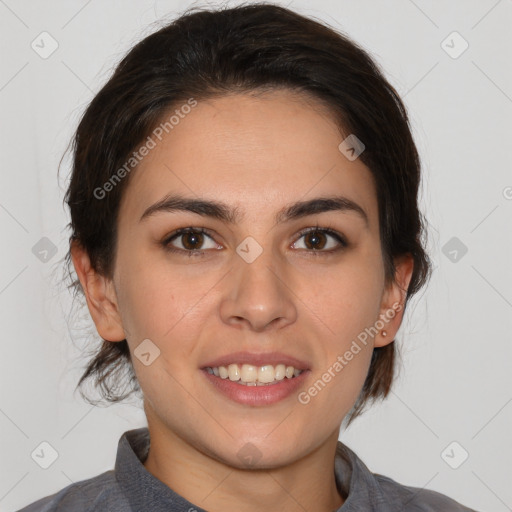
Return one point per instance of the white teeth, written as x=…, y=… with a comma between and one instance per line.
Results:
x=233, y=372
x=266, y=374
x=280, y=372
x=250, y=375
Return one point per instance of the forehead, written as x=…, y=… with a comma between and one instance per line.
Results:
x=254, y=152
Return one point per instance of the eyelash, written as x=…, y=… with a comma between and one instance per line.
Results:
x=198, y=253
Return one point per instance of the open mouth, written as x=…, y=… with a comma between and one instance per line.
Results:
x=256, y=379
x=250, y=375
x=245, y=387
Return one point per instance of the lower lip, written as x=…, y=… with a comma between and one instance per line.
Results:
x=257, y=395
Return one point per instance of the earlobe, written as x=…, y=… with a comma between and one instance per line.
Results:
x=100, y=296
x=392, y=308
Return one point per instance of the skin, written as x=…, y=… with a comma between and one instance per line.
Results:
x=258, y=154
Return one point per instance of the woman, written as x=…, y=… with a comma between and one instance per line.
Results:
x=246, y=233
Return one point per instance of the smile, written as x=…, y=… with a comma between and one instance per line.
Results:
x=250, y=375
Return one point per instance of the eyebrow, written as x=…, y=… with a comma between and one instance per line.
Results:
x=233, y=215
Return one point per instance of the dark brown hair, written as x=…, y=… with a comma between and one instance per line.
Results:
x=247, y=49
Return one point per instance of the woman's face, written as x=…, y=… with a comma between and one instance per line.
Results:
x=260, y=292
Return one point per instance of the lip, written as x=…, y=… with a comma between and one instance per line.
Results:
x=256, y=395
x=257, y=359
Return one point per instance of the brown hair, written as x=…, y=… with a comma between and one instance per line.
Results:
x=249, y=48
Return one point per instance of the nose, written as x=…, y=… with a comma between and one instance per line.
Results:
x=259, y=295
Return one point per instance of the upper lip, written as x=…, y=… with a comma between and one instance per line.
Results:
x=257, y=359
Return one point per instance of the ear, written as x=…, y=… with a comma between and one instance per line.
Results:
x=393, y=300
x=100, y=295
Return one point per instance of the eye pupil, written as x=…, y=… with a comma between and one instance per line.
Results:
x=197, y=240
x=315, y=237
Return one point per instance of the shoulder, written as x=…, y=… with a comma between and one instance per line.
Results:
x=101, y=492
x=416, y=499
x=372, y=491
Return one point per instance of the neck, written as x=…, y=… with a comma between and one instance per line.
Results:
x=306, y=484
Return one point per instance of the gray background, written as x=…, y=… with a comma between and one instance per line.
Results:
x=455, y=382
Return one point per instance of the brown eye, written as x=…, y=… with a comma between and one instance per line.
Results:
x=315, y=240
x=192, y=240
x=189, y=240
x=321, y=240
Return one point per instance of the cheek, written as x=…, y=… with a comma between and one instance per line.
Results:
x=344, y=310
x=345, y=299
x=334, y=389
x=157, y=298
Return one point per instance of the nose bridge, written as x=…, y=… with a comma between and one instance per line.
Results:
x=256, y=265
x=257, y=294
